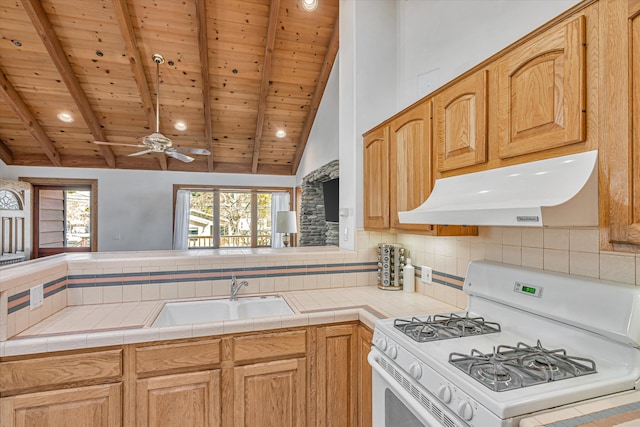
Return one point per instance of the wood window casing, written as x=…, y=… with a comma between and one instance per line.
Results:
x=63, y=184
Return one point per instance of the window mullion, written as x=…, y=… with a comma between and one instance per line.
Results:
x=216, y=219
x=254, y=218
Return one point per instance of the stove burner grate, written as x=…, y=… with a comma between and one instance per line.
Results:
x=440, y=327
x=509, y=367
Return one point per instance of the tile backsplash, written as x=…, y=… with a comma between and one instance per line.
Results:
x=565, y=250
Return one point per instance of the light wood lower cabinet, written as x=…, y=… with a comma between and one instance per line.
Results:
x=271, y=394
x=191, y=399
x=336, y=375
x=95, y=406
x=364, y=377
x=316, y=375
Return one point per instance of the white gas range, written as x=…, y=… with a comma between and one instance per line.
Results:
x=548, y=340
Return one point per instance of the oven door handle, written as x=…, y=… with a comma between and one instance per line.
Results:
x=399, y=391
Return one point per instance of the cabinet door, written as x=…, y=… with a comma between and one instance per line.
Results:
x=461, y=123
x=191, y=399
x=270, y=394
x=335, y=372
x=76, y=407
x=364, y=377
x=376, y=179
x=621, y=135
x=410, y=168
x=542, y=95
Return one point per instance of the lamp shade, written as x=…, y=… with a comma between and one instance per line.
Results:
x=286, y=222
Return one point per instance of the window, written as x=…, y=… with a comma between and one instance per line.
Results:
x=65, y=216
x=230, y=217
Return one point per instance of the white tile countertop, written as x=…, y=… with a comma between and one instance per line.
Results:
x=621, y=410
x=88, y=326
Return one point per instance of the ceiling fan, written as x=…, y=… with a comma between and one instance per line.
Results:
x=157, y=142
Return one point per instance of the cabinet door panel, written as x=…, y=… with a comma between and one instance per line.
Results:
x=364, y=378
x=336, y=369
x=179, y=400
x=542, y=95
x=376, y=179
x=410, y=168
x=461, y=123
x=270, y=394
x=99, y=406
x=622, y=129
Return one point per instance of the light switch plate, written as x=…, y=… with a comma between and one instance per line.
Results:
x=36, y=297
x=427, y=274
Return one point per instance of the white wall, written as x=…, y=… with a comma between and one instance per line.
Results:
x=452, y=36
x=322, y=145
x=136, y=206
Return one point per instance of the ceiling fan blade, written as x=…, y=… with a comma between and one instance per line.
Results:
x=140, y=153
x=117, y=143
x=191, y=150
x=179, y=156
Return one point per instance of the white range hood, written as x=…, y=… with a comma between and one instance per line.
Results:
x=562, y=191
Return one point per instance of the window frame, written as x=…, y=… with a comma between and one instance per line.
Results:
x=216, y=209
x=62, y=184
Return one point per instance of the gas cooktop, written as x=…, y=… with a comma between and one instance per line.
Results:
x=509, y=367
x=444, y=326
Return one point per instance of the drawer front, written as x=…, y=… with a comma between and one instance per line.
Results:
x=171, y=357
x=44, y=372
x=269, y=346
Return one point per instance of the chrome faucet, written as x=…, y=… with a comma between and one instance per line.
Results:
x=235, y=287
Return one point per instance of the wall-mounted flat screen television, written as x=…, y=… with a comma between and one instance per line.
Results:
x=331, y=191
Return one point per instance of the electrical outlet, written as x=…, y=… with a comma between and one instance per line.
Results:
x=36, y=297
x=427, y=274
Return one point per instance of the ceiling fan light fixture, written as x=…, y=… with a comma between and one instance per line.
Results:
x=181, y=126
x=309, y=5
x=280, y=133
x=65, y=117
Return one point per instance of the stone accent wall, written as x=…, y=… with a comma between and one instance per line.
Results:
x=314, y=230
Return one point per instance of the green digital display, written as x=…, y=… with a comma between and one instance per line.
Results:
x=528, y=289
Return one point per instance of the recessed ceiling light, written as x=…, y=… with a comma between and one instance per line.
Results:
x=180, y=126
x=309, y=5
x=65, y=117
x=281, y=133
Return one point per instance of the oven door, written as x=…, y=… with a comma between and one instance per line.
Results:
x=394, y=406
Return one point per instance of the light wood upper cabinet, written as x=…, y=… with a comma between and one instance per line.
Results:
x=336, y=375
x=542, y=91
x=410, y=168
x=621, y=126
x=99, y=406
x=271, y=394
x=191, y=399
x=376, y=179
x=460, y=126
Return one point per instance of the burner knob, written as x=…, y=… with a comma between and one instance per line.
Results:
x=465, y=411
x=415, y=370
x=381, y=344
x=444, y=393
x=392, y=352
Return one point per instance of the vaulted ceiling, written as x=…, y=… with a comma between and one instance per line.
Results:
x=235, y=72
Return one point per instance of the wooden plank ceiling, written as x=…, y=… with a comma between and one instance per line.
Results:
x=235, y=72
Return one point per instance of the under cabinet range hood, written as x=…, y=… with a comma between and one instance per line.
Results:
x=562, y=191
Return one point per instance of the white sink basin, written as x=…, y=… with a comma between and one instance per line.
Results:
x=181, y=313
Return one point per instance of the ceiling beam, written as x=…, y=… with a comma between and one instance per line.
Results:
x=5, y=153
x=203, y=50
x=327, y=65
x=29, y=121
x=123, y=17
x=43, y=27
x=264, y=84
